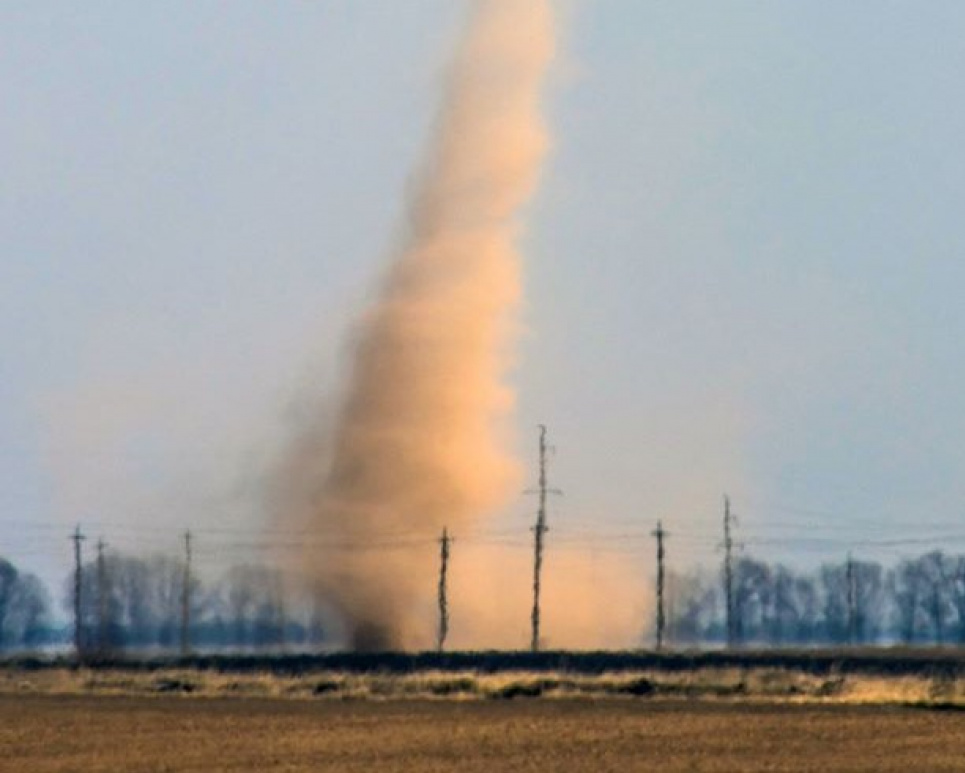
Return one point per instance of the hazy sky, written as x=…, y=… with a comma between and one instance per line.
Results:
x=744, y=269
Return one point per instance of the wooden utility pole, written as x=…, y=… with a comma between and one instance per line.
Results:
x=102, y=610
x=186, y=598
x=539, y=530
x=852, y=600
x=670, y=595
x=281, y=612
x=660, y=534
x=729, y=574
x=77, y=538
x=443, y=632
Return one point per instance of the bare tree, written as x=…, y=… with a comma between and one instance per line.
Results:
x=694, y=612
x=784, y=619
x=834, y=594
x=868, y=601
x=32, y=611
x=935, y=571
x=956, y=595
x=24, y=608
x=752, y=599
x=9, y=577
x=906, y=586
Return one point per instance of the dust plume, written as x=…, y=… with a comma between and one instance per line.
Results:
x=422, y=438
x=591, y=599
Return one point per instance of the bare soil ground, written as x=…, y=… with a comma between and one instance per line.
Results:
x=46, y=733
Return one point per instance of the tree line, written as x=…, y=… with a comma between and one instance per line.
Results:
x=918, y=600
x=135, y=602
x=24, y=609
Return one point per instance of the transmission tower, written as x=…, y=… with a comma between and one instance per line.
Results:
x=444, y=544
x=77, y=538
x=660, y=535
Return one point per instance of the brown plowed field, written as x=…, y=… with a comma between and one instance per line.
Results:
x=43, y=733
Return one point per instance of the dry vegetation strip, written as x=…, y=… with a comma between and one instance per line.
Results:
x=46, y=734
x=734, y=684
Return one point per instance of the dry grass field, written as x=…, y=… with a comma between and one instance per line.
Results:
x=104, y=734
x=894, y=713
x=928, y=689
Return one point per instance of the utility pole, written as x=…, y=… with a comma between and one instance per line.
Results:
x=444, y=544
x=729, y=574
x=852, y=598
x=281, y=611
x=77, y=538
x=102, y=645
x=670, y=594
x=186, y=598
x=539, y=530
x=660, y=534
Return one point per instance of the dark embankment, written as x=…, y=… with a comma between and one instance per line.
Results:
x=882, y=662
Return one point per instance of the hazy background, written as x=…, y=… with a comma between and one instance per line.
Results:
x=743, y=269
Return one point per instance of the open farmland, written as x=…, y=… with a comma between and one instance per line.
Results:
x=819, y=710
x=46, y=734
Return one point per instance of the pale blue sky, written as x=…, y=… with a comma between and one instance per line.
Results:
x=743, y=270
